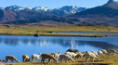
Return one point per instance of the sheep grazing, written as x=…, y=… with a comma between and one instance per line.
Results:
x=36, y=56
x=90, y=56
x=72, y=50
x=65, y=58
x=47, y=56
x=110, y=51
x=26, y=58
x=100, y=53
x=71, y=54
x=11, y=58
x=104, y=51
x=79, y=56
x=95, y=53
x=56, y=55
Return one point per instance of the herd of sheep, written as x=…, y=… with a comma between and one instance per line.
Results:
x=69, y=55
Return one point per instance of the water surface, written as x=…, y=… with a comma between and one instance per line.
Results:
x=19, y=45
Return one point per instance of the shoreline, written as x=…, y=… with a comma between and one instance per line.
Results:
x=51, y=31
x=63, y=63
x=60, y=34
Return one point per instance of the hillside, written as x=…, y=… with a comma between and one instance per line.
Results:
x=19, y=15
x=104, y=15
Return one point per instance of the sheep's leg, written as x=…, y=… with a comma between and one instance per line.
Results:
x=49, y=60
x=23, y=59
x=66, y=60
x=93, y=59
x=32, y=59
x=15, y=60
x=12, y=60
x=42, y=61
x=29, y=59
x=62, y=60
x=6, y=60
x=88, y=59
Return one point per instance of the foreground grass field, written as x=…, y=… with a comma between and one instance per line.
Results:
x=104, y=60
x=48, y=31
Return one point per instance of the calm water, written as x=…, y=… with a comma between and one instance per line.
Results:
x=19, y=45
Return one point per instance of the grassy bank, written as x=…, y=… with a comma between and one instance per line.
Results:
x=70, y=63
x=104, y=60
x=75, y=35
x=47, y=30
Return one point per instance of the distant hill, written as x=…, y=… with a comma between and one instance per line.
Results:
x=20, y=15
x=104, y=15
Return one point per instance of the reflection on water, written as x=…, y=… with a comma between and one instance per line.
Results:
x=71, y=43
x=19, y=45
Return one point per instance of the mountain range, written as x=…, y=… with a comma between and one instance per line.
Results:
x=104, y=15
x=21, y=15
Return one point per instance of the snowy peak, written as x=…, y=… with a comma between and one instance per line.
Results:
x=14, y=8
x=72, y=9
x=41, y=8
x=65, y=10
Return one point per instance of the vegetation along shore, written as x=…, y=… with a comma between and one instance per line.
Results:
x=49, y=30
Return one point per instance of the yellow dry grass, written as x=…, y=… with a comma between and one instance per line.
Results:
x=110, y=60
x=47, y=30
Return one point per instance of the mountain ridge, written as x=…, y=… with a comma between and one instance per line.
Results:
x=18, y=15
x=104, y=15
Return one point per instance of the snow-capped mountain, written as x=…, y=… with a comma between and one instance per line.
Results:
x=14, y=8
x=41, y=8
x=71, y=9
x=66, y=10
x=20, y=15
x=63, y=11
x=105, y=15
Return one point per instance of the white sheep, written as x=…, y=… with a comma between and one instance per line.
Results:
x=90, y=56
x=36, y=56
x=71, y=54
x=65, y=58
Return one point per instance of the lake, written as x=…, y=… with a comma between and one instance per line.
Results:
x=19, y=45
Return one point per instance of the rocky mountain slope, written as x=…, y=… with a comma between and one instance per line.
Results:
x=105, y=15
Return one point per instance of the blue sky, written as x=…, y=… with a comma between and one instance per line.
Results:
x=53, y=3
